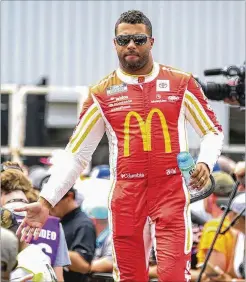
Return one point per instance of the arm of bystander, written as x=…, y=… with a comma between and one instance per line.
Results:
x=82, y=249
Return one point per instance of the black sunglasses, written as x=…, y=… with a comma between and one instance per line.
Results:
x=138, y=39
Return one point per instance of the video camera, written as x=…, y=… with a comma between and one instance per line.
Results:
x=234, y=87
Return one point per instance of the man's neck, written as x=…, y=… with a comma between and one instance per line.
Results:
x=72, y=206
x=211, y=206
x=147, y=69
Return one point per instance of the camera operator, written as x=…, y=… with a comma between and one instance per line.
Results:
x=233, y=91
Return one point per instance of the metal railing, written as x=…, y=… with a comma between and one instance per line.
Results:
x=17, y=117
x=235, y=149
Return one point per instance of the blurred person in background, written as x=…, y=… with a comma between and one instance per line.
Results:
x=226, y=164
x=240, y=170
x=92, y=191
x=100, y=171
x=208, y=208
x=16, y=191
x=236, y=170
x=239, y=173
x=228, y=253
x=30, y=263
x=37, y=174
x=95, y=192
x=80, y=235
x=102, y=260
x=143, y=106
x=9, y=252
x=14, y=183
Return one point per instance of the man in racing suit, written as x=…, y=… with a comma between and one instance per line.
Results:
x=143, y=106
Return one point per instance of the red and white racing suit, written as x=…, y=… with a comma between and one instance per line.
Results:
x=145, y=120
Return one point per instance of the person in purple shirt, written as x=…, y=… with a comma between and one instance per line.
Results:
x=15, y=191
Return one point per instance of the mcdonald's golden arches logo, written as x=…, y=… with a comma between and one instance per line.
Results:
x=145, y=129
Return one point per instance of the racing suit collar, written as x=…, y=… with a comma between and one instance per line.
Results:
x=139, y=79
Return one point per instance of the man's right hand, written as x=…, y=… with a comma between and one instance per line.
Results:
x=36, y=216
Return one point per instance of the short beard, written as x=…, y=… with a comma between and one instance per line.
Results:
x=134, y=66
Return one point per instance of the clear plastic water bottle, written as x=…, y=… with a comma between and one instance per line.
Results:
x=187, y=166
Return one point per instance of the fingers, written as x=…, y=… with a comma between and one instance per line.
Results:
x=27, y=233
x=20, y=228
x=202, y=179
x=24, y=233
x=24, y=208
x=30, y=234
x=36, y=233
x=231, y=101
x=196, y=175
x=196, y=172
x=200, y=176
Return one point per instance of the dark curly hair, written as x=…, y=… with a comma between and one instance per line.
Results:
x=134, y=17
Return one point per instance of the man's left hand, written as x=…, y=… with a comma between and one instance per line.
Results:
x=200, y=176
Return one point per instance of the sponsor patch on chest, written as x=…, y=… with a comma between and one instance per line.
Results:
x=115, y=89
x=161, y=98
x=162, y=85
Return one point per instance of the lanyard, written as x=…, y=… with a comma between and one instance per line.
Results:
x=101, y=237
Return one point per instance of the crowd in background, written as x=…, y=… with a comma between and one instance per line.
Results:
x=75, y=242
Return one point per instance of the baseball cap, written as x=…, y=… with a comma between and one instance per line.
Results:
x=98, y=212
x=9, y=250
x=45, y=161
x=37, y=175
x=100, y=171
x=238, y=204
x=223, y=183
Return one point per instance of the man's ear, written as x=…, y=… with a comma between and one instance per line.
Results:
x=70, y=195
x=114, y=42
x=152, y=41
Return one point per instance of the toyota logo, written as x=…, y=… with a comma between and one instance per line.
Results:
x=163, y=85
